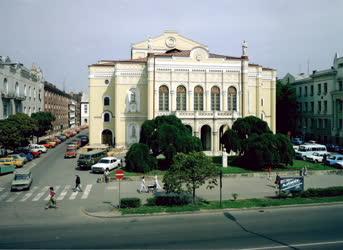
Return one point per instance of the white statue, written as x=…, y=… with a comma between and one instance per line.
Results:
x=149, y=44
x=224, y=158
x=245, y=48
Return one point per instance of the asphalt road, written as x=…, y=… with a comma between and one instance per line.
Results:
x=292, y=228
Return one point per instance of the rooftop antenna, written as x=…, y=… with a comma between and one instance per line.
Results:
x=308, y=66
x=64, y=85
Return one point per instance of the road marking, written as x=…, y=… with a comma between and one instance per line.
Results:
x=63, y=193
x=55, y=190
x=32, y=165
x=1, y=189
x=296, y=245
x=28, y=195
x=87, y=191
x=4, y=195
x=73, y=195
x=13, y=197
x=39, y=195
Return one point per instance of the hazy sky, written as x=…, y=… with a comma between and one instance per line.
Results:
x=63, y=37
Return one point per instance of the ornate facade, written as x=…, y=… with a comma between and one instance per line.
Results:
x=171, y=74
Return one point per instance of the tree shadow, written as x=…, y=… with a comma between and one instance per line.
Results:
x=232, y=218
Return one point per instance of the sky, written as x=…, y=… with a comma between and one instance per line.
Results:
x=63, y=37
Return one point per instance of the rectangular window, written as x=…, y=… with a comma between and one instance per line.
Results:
x=340, y=85
x=325, y=106
x=300, y=106
x=319, y=106
x=300, y=91
x=305, y=90
x=305, y=123
x=306, y=107
x=319, y=89
x=325, y=88
x=312, y=106
x=311, y=91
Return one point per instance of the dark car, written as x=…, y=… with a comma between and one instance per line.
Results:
x=84, y=140
x=24, y=152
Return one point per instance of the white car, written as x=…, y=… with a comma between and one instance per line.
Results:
x=38, y=148
x=316, y=157
x=108, y=163
x=339, y=164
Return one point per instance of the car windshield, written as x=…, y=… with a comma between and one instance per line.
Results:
x=332, y=157
x=70, y=150
x=104, y=161
x=18, y=177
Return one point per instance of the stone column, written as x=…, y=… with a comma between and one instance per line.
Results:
x=224, y=100
x=244, y=83
x=190, y=104
x=273, y=103
x=151, y=82
x=215, y=142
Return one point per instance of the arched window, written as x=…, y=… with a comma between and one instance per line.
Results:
x=5, y=86
x=215, y=98
x=181, y=98
x=106, y=117
x=198, y=98
x=163, y=98
x=106, y=101
x=25, y=91
x=30, y=92
x=132, y=97
x=232, y=99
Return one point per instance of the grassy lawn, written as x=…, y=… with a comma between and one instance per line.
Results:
x=299, y=164
x=248, y=203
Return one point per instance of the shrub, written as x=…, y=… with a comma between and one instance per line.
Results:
x=322, y=192
x=130, y=202
x=234, y=196
x=171, y=199
x=151, y=201
x=138, y=159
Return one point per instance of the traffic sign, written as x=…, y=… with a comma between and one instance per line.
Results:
x=120, y=174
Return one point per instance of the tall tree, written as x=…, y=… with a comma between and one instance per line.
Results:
x=44, y=123
x=16, y=130
x=286, y=108
x=189, y=172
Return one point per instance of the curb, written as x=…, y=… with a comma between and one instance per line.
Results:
x=207, y=211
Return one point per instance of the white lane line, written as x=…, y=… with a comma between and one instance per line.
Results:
x=39, y=195
x=63, y=193
x=4, y=195
x=55, y=190
x=13, y=197
x=33, y=164
x=296, y=245
x=73, y=195
x=28, y=195
x=86, y=191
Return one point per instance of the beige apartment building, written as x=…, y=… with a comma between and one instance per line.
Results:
x=172, y=74
x=320, y=103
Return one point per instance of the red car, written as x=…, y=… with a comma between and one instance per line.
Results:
x=45, y=144
x=70, y=153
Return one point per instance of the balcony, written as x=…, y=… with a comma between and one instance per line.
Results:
x=200, y=114
x=13, y=96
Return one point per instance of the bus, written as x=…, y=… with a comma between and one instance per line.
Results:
x=308, y=149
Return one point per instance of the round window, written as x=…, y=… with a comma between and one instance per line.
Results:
x=107, y=81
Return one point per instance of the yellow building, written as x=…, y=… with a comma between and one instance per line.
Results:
x=172, y=74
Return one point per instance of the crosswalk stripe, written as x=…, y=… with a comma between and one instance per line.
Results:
x=13, y=197
x=55, y=189
x=4, y=195
x=87, y=191
x=73, y=195
x=39, y=195
x=28, y=195
x=63, y=193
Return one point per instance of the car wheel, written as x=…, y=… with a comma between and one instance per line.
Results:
x=304, y=158
x=316, y=161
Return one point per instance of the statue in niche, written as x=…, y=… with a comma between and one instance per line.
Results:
x=245, y=48
x=132, y=101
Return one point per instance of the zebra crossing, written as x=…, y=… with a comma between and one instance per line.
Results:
x=37, y=193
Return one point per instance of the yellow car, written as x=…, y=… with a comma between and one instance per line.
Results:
x=52, y=143
x=12, y=160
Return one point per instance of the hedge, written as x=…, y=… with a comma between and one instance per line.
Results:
x=130, y=202
x=322, y=192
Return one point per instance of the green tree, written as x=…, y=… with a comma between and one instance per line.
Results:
x=16, y=130
x=189, y=172
x=167, y=135
x=286, y=108
x=44, y=123
x=138, y=159
x=231, y=141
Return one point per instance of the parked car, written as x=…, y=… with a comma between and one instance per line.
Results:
x=107, y=163
x=45, y=143
x=316, y=157
x=20, y=157
x=307, y=149
x=339, y=164
x=22, y=179
x=10, y=160
x=25, y=151
x=38, y=148
x=297, y=141
x=70, y=153
x=62, y=137
x=333, y=159
x=72, y=146
x=76, y=142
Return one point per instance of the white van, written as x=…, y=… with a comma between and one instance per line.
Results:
x=308, y=149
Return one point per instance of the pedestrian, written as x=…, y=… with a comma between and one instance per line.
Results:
x=143, y=187
x=269, y=173
x=277, y=180
x=52, y=200
x=301, y=171
x=157, y=184
x=106, y=175
x=305, y=171
x=77, y=184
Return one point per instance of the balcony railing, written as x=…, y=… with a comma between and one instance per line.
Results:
x=200, y=114
x=13, y=96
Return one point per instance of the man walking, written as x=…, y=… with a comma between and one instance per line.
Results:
x=77, y=184
x=143, y=187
